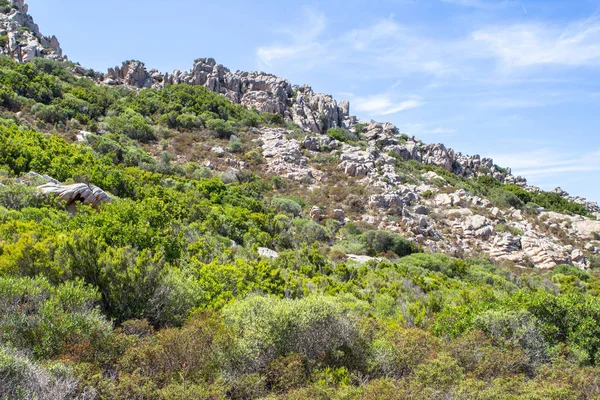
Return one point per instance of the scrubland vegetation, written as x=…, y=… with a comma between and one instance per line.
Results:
x=162, y=294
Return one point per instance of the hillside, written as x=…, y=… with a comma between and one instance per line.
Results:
x=214, y=234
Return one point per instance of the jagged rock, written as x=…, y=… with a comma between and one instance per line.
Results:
x=219, y=151
x=399, y=198
x=590, y=247
x=496, y=213
x=578, y=258
x=284, y=156
x=485, y=232
x=474, y=223
x=543, y=252
x=438, y=155
x=586, y=228
x=356, y=162
x=24, y=45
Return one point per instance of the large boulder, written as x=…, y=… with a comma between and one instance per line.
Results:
x=79, y=192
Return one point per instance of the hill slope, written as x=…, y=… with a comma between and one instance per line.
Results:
x=210, y=235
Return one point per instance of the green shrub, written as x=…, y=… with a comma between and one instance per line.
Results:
x=379, y=242
x=502, y=228
x=316, y=328
x=504, y=199
x=132, y=125
x=397, y=352
x=510, y=328
x=287, y=206
x=342, y=135
x=224, y=129
x=46, y=319
x=19, y=196
x=235, y=146
x=49, y=114
x=572, y=271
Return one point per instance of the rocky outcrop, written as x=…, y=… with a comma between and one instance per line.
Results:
x=591, y=206
x=284, y=156
x=23, y=40
x=314, y=112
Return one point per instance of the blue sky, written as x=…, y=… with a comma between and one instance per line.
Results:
x=517, y=80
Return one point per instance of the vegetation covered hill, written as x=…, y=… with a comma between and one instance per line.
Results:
x=166, y=292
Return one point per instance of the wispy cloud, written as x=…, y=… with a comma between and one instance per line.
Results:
x=394, y=49
x=302, y=43
x=546, y=163
x=535, y=44
x=383, y=104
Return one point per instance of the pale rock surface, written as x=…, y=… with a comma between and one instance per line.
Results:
x=267, y=253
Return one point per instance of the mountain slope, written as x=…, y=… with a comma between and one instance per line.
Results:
x=219, y=235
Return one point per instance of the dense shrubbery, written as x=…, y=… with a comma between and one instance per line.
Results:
x=162, y=294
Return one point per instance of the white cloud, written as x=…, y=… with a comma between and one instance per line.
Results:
x=302, y=43
x=546, y=163
x=383, y=104
x=535, y=44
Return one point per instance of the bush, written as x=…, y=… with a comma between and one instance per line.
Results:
x=571, y=271
x=287, y=206
x=379, y=242
x=342, y=135
x=235, y=146
x=397, y=352
x=516, y=328
x=49, y=114
x=224, y=129
x=48, y=320
x=132, y=125
x=17, y=197
x=194, y=353
x=317, y=328
x=22, y=379
x=504, y=199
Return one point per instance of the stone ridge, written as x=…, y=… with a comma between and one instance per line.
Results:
x=315, y=113
x=22, y=38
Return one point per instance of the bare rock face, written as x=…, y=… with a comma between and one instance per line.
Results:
x=25, y=42
x=133, y=73
x=284, y=156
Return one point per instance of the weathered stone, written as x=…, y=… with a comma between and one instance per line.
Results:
x=267, y=253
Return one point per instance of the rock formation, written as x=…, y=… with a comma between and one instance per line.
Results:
x=20, y=37
x=79, y=192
